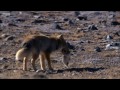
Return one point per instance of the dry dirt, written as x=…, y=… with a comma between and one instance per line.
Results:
x=85, y=63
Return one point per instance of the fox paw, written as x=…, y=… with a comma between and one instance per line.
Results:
x=40, y=71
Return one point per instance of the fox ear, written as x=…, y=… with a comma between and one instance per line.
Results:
x=60, y=36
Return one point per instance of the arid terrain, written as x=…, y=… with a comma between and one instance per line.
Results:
x=86, y=31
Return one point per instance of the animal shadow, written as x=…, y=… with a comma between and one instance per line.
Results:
x=80, y=69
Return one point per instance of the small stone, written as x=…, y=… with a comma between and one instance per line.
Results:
x=4, y=35
x=20, y=13
x=66, y=19
x=70, y=46
x=102, y=21
x=92, y=27
x=20, y=20
x=117, y=33
x=0, y=21
x=98, y=49
x=88, y=41
x=82, y=49
x=39, y=76
x=108, y=37
x=39, y=21
x=5, y=67
x=115, y=23
x=3, y=59
x=73, y=74
x=57, y=26
x=36, y=17
x=10, y=38
x=81, y=42
x=111, y=16
x=80, y=17
x=1, y=30
x=77, y=13
x=12, y=24
x=71, y=22
x=113, y=45
x=6, y=14
x=14, y=71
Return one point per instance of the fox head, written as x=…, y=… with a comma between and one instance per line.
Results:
x=65, y=50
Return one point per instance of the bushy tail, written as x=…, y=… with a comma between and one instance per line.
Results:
x=21, y=53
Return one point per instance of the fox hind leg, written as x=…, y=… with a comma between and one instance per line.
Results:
x=35, y=56
x=47, y=55
x=42, y=62
x=25, y=64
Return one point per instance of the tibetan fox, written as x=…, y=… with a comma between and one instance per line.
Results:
x=41, y=46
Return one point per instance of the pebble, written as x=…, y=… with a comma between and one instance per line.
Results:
x=57, y=26
x=115, y=23
x=9, y=38
x=77, y=13
x=3, y=59
x=98, y=49
x=0, y=21
x=108, y=37
x=70, y=46
x=39, y=21
x=92, y=27
x=82, y=17
x=4, y=35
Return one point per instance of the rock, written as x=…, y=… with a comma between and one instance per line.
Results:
x=70, y=46
x=9, y=38
x=108, y=37
x=39, y=21
x=54, y=61
x=102, y=21
x=6, y=14
x=36, y=17
x=4, y=35
x=20, y=20
x=97, y=13
x=20, y=13
x=117, y=33
x=34, y=13
x=111, y=16
x=80, y=17
x=82, y=49
x=39, y=76
x=65, y=19
x=77, y=13
x=81, y=42
x=57, y=26
x=98, y=49
x=92, y=27
x=12, y=24
x=71, y=22
x=3, y=59
x=5, y=67
x=88, y=41
x=1, y=30
x=113, y=45
x=115, y=23
x=0, y=21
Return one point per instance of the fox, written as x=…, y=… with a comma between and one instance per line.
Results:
x=41, y=46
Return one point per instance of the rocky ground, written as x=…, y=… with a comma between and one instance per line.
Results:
x=86, y=31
